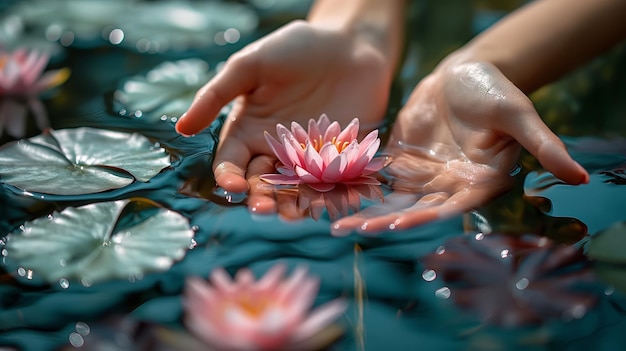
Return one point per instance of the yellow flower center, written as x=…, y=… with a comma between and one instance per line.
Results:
x=319, y=142
x=252, y=305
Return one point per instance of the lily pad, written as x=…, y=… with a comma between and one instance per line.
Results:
x=90, y=244
x=609, y=245
x=166, y=90
x=80, y=161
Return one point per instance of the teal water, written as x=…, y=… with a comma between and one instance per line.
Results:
x=512, y=275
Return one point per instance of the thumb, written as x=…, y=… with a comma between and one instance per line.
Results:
x=236, y=78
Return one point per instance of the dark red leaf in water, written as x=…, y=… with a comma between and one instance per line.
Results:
x=514, y=281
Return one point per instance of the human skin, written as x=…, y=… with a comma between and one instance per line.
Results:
x=458, y=135
x=473, y=111
x=340, y=61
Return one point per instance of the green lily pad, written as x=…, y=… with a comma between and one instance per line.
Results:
x=99, y=241
x=80, y=161
x=609, y=245
x=166, y=90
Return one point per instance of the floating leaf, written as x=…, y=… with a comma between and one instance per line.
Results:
x=176, y=26
x=89, y=244
x=166, y=90
x=80, y=161
x=609, y=245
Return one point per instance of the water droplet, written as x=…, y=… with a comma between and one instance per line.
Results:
x=504, y=253
x=138, y=114
x=21, y=271
x=479, y=236
x=82, y=328
x=5, y=252
x=609, y=290
x=163, y=118
x=174, y=119
x=122, y=112
x=429, y=275
x=62, y=263
x=67, y=38
x=195, y=228
x=86, y=282
x=76, y=340
x=443, y=293
x=29, y=274
x=440, y=250
x=522, y=284
x=116, y=36
x=64, y=283
x=192, y=244
x=231, y=35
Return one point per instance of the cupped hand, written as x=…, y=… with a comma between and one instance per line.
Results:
x=454, y=144
x=293, y=74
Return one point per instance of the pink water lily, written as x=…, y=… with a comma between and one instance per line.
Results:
x=324, y=155
x=272, y=313
x=22, y=80
x=22, y=73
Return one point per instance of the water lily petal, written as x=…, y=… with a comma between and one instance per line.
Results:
x=305, y=176
x=320, y=318
x=351, y=132
x=375, y=165
x=333, y=131
x=323, y=123
x=293, y=151
x=369, y=142
x=33, y=65
x=222, y=282
x=279, y=150
x=51, y=79
x=313, y=162
x=272, y=277
x=328, y=153
x=299, y=132
x=313, y=130
x=370, y=149
x=333, y=173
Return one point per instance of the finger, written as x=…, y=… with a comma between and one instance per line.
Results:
x=535, y=136
x=424, y=210
x=386, y=212
x=230, y=164
x=261, y=197
x=236, y=78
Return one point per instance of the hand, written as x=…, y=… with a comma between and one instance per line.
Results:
x=453, y=146
x=294, y=74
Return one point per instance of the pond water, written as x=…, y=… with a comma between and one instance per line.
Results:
x=540, y=268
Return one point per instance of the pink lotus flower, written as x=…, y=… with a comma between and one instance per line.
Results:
x=324, y=155
x=269, y=314
x=21, y=82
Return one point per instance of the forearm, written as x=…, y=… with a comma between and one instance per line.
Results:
x=379, y=22
x=546, y=39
